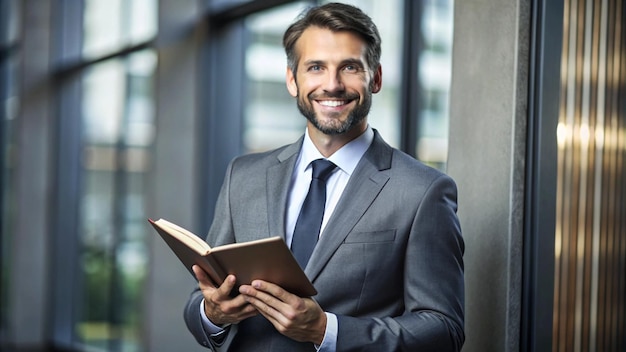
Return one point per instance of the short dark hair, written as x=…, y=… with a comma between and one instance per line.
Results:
x=335, y=17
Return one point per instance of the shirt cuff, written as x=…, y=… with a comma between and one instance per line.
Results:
x=208, y=325
x=329, y=343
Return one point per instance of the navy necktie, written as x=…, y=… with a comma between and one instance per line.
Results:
x=312, y=213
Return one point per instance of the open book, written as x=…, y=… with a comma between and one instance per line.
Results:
x=266, y=259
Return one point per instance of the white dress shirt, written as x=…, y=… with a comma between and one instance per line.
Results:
x=346, y=160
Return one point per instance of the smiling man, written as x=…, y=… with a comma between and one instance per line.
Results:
x=335, y=83
x=375, y=230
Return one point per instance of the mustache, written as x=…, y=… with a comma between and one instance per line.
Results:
x=331, y=95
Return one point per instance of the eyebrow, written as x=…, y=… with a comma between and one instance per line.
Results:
x=351, y=61
x=356, y=62
x=313, y=62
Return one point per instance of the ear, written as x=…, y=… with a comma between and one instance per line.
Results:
x=377, y=80
x=292, y=86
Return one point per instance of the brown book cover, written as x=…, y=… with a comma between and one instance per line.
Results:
x=267, y=259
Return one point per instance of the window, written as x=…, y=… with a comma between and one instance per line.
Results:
x=434, y=80
x=118, y=125
x=270, y=110
x=110, y=26
x=108, y=94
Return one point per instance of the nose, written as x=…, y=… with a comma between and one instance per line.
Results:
x=333, y=82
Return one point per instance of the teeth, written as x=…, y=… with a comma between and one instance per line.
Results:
x=332, y=103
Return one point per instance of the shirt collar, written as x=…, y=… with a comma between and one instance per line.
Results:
x=346, y=158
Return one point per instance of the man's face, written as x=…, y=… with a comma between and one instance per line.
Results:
x=333, y=83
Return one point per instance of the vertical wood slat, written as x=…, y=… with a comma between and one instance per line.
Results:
x=590, y=239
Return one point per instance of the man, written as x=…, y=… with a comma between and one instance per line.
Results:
x=388, y=261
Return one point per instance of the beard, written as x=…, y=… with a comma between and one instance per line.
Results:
x=336, y=126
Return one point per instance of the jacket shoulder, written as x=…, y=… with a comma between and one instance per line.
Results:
x=267, y=158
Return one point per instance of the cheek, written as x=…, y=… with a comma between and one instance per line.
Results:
x=358, y=83
x=309, y=84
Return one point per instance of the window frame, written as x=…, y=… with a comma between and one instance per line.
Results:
x=540, y=184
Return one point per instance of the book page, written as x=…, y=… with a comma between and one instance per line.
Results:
x=185, y=236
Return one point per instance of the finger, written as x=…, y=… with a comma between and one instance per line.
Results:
x=202, y=277
x=272, y=308
x=266, y=310
x=227, y=286
x=278, y=293
x=221, y=308
x=248, y=311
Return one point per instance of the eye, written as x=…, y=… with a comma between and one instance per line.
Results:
x=314, y=68
x=352, y=68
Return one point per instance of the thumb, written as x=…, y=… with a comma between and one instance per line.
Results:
x=202, y=277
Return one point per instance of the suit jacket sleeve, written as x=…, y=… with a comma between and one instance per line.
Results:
x=434, y=285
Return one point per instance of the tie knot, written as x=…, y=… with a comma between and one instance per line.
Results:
x=322, y=168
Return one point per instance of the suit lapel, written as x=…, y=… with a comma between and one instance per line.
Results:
x=278, y=181
x=361, y=191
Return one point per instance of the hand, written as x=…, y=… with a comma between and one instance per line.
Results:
x=300, y=319
x=219, y=307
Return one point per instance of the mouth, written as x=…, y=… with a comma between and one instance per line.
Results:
x=333, y=103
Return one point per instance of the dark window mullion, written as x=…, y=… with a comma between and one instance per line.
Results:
x=539, y=228
x=70, y=66
x=65, y=283
x=220, y=15
x=410, y=98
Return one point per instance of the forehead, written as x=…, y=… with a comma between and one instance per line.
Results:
x=318, y=43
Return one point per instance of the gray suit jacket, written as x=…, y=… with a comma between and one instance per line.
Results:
x=389, y=263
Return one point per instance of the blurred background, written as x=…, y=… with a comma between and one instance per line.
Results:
x=115, y=111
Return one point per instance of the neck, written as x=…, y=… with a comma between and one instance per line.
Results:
x=328, y=144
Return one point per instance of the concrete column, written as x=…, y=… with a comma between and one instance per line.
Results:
x=28, y=266
x=174, y=186
x=488, y=120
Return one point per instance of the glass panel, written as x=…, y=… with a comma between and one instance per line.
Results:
x=8, y=115
x=118, y=125
x=114, y=24
x=435, y=72
x=9, y=26
x=270, y=110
